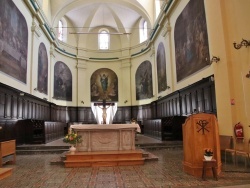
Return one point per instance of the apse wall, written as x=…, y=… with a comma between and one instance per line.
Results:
x=230, y=73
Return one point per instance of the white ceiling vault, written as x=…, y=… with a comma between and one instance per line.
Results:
x=120, y=15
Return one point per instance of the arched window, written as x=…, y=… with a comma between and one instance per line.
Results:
x=143, y=31
x=103, y=40
x=62, y=30
x=157, y=8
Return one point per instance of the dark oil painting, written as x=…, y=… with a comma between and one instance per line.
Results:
x=42, y=76
x=13, y=41
x=62, y=82
x=191, y=40
x=143, y=81
x=161, y=68
x=104, y=85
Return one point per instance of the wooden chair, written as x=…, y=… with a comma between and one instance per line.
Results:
x=231, y=150
x=240, y=150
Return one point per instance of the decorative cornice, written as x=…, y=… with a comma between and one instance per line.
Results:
x=143, y=51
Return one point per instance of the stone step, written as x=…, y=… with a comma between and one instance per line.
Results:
x=103, y=158
x=40, y=151
x=104, y=162
x=59, y=160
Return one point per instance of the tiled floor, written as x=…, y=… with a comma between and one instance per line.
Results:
x=35, y=171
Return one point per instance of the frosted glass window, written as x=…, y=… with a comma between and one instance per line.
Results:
x=157, y=8
x=103, y=40
x=60, y=30
x=144, y=31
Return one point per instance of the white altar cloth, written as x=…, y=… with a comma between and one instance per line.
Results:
x=107, y=137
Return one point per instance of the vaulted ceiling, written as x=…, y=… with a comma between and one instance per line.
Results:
x=120, y=15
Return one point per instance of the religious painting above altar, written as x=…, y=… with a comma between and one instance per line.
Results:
x=191, y=40
x=104, y=85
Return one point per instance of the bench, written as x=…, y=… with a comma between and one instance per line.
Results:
x=8, y=152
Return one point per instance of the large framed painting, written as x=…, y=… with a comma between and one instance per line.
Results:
x=161, y=68
x=62, y=82
x=191, y=40
x=104, y=85
x=13, y=41
x=143, y=81
x=42, y=76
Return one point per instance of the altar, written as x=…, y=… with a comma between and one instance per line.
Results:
x=108, y=137
x=105, y=145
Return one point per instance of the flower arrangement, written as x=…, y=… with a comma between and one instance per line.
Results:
x=208, y=152
x=72, y=138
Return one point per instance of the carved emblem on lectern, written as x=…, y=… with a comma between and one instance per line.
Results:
x=202, y=126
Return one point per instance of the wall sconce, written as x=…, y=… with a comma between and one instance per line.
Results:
x=248, y=75
x=35, y=89
x=125, y=101
x=21, y=94
x=82, y=102
x=244, y=42
x=214, y=59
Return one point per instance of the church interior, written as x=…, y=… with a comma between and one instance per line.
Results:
x=158, y=85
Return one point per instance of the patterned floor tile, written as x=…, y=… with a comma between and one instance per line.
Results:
x=35, y=171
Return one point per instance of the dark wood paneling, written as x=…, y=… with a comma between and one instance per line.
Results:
x=7, y=107
x=8, y=131
x=14, y=106
x=54, y=130
x=168, y=128
x=72, y=111
x=2, y=104
x=198, y=97
x=85, y=115
x=123, y=115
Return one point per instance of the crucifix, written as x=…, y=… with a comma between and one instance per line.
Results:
x=104, y=108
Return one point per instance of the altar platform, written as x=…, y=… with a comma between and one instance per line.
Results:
x=58, y=146
x=167, y=171
x=142, y=143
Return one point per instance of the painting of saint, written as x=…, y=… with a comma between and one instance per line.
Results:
x=191, y=40
x=13, y=41
x=143, y=79
x=104, y=85
x=161, y=68
x=62, y=82
x=42, y=76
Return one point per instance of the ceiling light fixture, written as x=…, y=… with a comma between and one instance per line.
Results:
x=97, y=33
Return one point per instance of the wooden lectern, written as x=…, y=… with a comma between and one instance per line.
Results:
x=200, y=131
